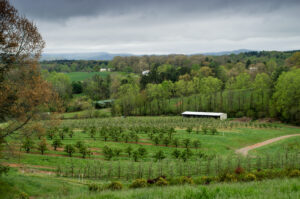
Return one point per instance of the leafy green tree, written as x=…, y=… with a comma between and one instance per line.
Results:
x=242, y=81
x=176, y=142
x=71, y=133
x=156, y=140
x=166, y=141
x=262, y=82
x=136, y=138
x=61, y=83
x=176, y=153
x=135, y=156
x=189, y=129
x=79, y=144
x=128, y=150
x=84, y=151
x=209, y=85
x=187, y=142
x=76, y=87
x=117, y=151
x=213, y=131
x=56, y=143
x=27, y=144
x=186, y=154
x=142, y=151
x=196, y=144
x=294, y=60
x=62, y=134
x=42, y=146
x=159, y=155
x=93, y=132
x=204, y=129
x=51, y=133
x=287, y=96
x=108, y=152
x=97, y=87
x=70, y=149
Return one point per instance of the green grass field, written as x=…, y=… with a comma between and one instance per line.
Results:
x=34, y=167
x=42, y=187
x=80, y=76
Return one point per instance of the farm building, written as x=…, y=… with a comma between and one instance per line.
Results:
x=221, y=116
x=145, y=72
x=103, y=103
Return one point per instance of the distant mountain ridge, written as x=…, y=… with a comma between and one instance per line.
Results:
x=81, y=56
x=110, y=56
x=228, y=52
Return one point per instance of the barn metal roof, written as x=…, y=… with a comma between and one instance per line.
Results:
x=202, y=113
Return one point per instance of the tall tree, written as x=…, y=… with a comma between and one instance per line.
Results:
x=23, y=92
x=287, y=96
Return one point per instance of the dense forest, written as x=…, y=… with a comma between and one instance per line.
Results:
x=252, y=84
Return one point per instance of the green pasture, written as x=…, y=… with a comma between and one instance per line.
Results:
x=80, y=76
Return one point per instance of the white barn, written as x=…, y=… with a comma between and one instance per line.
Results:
x=145, y=72
x=221, y=116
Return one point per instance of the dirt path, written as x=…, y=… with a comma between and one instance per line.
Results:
x=244, y=151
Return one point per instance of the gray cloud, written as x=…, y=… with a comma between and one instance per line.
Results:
x=164, y=26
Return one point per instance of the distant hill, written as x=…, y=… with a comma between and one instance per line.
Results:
x=228, y=52
x=80, y=56
x=110, y=56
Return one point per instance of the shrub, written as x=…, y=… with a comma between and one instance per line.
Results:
x=227, y=177
x=116, y=185
x=249, y=177
x=239, y=170
x=3, y=169
x=161, y=182
x=186, y=180
x=239, y=114
x=95, y=187
x=138, y=183
x=70, y=149
x=206, y=180
x=294, y=173
x=23, y=195
x=250, y=113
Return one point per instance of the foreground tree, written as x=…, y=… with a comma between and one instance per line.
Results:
x=23, y=92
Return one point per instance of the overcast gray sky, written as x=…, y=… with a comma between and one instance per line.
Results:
x=164, y=26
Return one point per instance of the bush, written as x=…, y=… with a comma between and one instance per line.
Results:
x=240, y=114
x=249, y=177
x=227, y=177
x=23, y=195
x=138, y=183
x=294, y=173
x=251, y=114
x=3, y=169
x=95, y=187
x=161, y=182
x=206, y=180
x=115, y=185
x=186, y=180
x=239, y=170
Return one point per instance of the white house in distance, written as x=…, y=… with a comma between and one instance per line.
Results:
x=104, y=69
x=221, y=116
x=145, y=72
